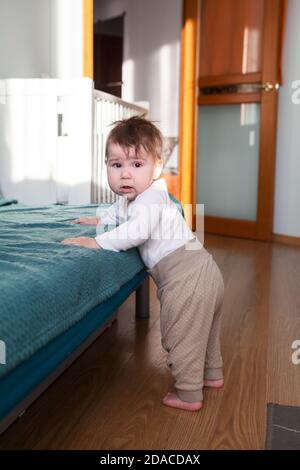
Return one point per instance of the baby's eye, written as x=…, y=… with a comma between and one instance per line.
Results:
x=116, y=165
x=137, y=164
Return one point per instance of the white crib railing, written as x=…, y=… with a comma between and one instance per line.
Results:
x=107, y=110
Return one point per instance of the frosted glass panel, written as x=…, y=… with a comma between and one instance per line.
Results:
x=228, y=157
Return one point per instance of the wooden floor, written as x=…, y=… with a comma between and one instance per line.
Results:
x=110, y=398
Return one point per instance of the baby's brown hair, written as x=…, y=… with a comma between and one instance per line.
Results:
x=136, y=132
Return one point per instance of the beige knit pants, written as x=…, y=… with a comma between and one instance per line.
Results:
x=190, y=289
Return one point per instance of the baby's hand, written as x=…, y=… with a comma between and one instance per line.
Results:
x=87, y=242
x=86, y=221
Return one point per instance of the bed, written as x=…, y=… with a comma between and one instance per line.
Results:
x=55, y=299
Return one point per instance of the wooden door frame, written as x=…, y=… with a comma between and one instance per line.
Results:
x=88, y=37
x=188, y=106
x=261, y=229
x=269, y=103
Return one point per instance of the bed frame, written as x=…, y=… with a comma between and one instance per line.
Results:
x=142, y=312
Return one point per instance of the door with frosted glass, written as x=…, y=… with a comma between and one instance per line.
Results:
x=239, y=71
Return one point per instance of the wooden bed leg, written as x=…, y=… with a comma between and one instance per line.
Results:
x=142, y=300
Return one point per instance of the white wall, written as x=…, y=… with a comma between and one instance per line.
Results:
x=41, y=38
x=24, y=38
x=151, y=64
x=287, y=194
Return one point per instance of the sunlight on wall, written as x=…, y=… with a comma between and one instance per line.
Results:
x=165, y=70
x=66, y=39
x=129, y=82
x=164, y=87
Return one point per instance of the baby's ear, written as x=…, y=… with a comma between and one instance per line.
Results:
x=158, y=169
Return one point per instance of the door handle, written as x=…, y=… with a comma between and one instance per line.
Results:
x=269, y=86
x=251, y=87
x=240, y=88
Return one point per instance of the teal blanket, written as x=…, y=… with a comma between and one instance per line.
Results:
x=45, y=287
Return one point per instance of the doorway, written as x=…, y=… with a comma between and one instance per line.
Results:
x=237, y=106
x=108, y=55
x=239, y=45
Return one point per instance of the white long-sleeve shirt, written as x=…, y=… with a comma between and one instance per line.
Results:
x=152, y=222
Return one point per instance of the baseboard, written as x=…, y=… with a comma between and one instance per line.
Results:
x=286, y=239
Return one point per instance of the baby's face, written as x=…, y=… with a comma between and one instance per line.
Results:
x=130, y=174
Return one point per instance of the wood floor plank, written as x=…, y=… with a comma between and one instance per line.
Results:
x=110, y=398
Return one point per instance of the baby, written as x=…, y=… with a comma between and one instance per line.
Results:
x=189, y=283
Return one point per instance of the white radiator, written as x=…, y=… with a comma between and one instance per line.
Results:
x=107, y=110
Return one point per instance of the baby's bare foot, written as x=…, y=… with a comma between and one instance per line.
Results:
x=214, y=383
x=171, y=399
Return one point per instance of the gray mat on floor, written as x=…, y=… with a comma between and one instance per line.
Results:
x=283, y=427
